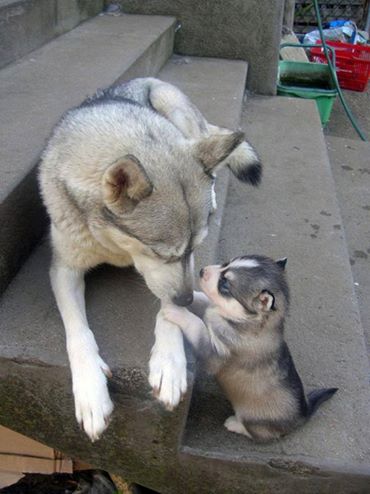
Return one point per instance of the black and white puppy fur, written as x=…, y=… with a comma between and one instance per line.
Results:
x=237, y=327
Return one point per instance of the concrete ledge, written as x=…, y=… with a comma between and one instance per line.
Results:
x=38, y=89
x=23, y=222
x=350, y=163
x=28, y=24
x=237, y=29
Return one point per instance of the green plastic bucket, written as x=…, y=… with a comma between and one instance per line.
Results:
x=308, y=80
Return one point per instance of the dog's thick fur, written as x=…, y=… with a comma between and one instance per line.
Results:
x=127, y=178
x=240, y=336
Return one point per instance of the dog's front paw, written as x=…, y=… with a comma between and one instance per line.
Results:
x=167, y=377
x=93, y=405
x=167, y=365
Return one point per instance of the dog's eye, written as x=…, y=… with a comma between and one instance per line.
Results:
x=223, y=285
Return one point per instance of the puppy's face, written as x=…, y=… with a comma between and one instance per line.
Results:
x=247, y=288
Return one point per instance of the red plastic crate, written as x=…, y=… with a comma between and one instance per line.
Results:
x=352, y=63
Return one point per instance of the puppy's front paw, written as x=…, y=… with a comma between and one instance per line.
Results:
x=93, y=405
x=176, y=315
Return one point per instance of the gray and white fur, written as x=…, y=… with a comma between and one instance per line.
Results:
x=240, y=336
x=128, y=179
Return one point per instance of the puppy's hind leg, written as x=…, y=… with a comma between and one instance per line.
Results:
x=92, y=402
x=233, y=424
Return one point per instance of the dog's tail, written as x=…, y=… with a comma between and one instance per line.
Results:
x=318, y=396
x=245, y=164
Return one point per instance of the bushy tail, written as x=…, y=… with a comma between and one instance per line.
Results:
x=318, y=396
x=245, y=164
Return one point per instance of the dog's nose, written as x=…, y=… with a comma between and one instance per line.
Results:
x=183, y=299
x=201, y=273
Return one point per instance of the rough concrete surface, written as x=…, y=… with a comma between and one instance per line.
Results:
x=249, y=30
x=28, y=24
x=350, y=162
x=36, y=91
x=295, y=214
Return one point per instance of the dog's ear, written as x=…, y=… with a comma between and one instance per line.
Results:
x=282, y=263
x=125, y=184
x=214, y=149
x=265, y=301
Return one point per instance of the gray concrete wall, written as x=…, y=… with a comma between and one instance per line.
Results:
x=239, y=29
x=27, y=24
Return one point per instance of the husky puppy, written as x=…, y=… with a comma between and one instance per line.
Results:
x=127, y=179
x=240, y=336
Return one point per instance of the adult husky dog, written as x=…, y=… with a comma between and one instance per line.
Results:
x=127, y=178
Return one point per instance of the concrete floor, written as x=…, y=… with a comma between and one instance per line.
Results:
x=359, y=103
x=350, y=163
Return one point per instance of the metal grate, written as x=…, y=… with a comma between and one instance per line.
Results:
x=305, y=19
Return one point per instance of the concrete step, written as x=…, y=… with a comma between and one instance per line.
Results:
x=37, y=90
x=35, y=390
x=29, y=24
x=350, y=163
x=294, y=214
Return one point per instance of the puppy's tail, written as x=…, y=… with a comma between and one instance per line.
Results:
x=318, y=396
x=245, y=164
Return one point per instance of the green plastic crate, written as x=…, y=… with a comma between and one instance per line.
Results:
x=308, y=80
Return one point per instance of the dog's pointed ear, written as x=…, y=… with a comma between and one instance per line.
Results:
x=125, y=184
x=214, y=149
x=282, y=263
x=266, y=301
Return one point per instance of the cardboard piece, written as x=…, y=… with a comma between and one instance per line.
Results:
x=20, y=454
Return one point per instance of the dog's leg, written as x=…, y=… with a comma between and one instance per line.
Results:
x=92, y=402
x=193, y=328
x=167, y=365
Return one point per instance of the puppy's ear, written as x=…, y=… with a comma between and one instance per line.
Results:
x=125, y=184
x=214, y=149
x=266, y=301
x=282, y=263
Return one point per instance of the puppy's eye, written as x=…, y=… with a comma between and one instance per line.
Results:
x=223, y=285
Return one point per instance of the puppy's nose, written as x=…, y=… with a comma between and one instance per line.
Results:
x=183, y=299
x=201, y=273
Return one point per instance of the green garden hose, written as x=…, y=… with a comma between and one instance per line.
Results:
x=334, y=75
